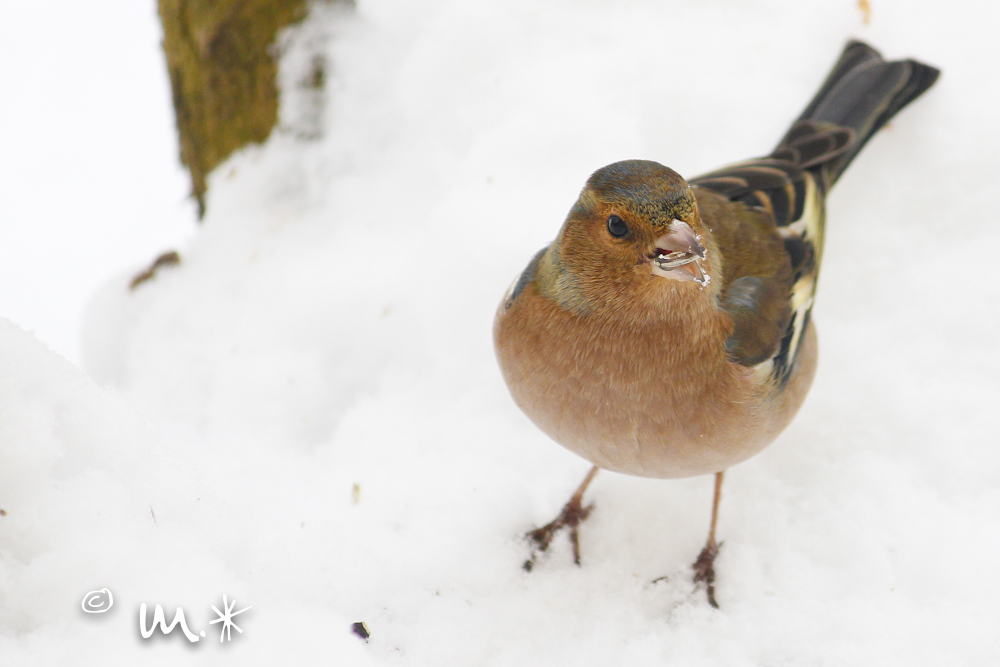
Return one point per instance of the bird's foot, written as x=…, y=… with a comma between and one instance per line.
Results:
x=572, y=515
x=704, y=570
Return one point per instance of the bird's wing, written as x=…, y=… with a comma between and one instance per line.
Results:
x=523, y=279
x=859, y=96
x=778, y=202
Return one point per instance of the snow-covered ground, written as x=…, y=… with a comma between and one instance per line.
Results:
x=306, y=415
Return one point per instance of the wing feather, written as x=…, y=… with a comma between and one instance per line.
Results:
x=788, y=187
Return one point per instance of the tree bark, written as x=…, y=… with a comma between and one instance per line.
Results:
x=222, y=73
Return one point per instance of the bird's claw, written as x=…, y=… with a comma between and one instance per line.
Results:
x=704, y=570
x=571, y=516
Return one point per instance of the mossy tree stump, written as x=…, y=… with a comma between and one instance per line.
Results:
x=220, y=54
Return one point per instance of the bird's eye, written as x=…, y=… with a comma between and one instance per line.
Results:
x=617, y=227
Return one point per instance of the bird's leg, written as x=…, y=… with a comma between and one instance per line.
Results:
x=704, y=567
x=572, y=515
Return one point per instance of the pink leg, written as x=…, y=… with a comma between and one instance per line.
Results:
x=704, y=567
x=572, y=515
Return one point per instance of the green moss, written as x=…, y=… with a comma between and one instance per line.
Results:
x=222, y=72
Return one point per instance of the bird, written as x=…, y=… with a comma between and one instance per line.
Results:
x=666, y=331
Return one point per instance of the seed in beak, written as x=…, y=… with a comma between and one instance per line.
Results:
x=667, y=260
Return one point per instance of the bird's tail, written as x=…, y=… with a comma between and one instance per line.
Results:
x=860, y=95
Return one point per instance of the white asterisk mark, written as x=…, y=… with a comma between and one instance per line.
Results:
x=227, y=618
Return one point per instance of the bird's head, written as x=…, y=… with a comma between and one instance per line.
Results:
x=634, y=232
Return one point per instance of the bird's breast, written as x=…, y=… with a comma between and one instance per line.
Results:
x=651, y=398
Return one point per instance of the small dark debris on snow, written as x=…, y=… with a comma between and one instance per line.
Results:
x=3, y=512
x=171, y=258
x=361, y=630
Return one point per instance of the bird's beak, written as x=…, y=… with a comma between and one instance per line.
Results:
x=678, y=255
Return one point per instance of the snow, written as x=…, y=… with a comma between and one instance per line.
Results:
x=90, y=181
x=305, y=415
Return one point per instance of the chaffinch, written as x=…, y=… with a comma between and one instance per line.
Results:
x=666, y=330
